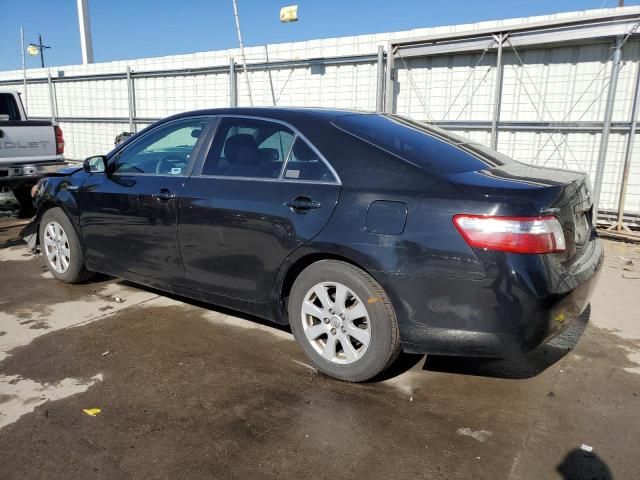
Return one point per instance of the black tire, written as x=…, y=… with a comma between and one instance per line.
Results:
x=23, y=196
x=76, y=271
x=384, y=343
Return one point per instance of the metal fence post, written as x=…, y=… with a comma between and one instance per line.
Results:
x=233, y=84
x=132, y=101
x=380, y=80
x=606, y=126
x=52, y=98
x=619, y=225
x=389, y=84
x=497, y=99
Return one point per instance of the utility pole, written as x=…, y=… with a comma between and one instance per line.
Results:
x=40, y=47
x=244, y=59
x=85, y=32
x=24, y=68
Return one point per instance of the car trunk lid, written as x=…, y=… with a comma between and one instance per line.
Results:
x=532, y=190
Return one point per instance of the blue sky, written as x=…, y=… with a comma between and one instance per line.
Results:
x=124, y=29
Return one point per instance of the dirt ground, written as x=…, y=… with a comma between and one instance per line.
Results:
x=188, y=390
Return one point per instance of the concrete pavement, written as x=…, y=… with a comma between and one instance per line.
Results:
x=188, y=390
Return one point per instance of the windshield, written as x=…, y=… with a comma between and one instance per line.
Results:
x=421, y=144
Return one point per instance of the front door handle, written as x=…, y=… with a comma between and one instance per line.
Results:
x=302, y=204
x=164, y=194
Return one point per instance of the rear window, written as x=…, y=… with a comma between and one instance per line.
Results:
x=423, y=145
x=8, y=108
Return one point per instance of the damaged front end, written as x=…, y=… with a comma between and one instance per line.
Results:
x=30, y=235
x=54, y=189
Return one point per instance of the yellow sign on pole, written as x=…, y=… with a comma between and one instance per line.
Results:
x=289, y=14
x=32, y=50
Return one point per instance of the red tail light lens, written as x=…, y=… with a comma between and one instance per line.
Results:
x=512, y=234
x=59, y=140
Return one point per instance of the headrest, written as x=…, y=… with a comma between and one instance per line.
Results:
x=241, y=149
x=269, y=155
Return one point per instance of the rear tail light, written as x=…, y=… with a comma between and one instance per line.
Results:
x=512, y=234
x=59, y=140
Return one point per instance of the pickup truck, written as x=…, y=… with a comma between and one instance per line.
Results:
x=29, y=149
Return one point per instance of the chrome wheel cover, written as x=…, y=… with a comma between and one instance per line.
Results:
x=336, y=323
x=56, y=247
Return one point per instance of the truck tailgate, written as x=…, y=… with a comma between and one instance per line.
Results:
x=26, y=141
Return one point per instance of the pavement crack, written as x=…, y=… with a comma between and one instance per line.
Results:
x=108, y=314
x=531, y=430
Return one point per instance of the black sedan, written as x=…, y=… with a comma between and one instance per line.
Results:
x=367, y=233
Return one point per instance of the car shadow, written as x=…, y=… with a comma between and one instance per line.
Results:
x=14, y=242
x=523, y=366
x=209, y=306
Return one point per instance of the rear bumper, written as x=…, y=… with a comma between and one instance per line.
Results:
x=17, y=173
x=520, y=306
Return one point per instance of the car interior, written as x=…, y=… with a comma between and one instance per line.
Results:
x=257, y=149
x=167, y=154
x=249, y=149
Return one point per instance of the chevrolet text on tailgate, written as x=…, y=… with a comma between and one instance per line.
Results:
x=29, y=149
x=367, y=233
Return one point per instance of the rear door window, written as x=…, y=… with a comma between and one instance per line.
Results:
x=247, y=147
x=305, y=164
x=8, y=108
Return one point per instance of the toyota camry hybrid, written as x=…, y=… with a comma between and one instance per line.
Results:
x=367, y=233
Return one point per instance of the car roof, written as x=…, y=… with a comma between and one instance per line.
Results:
x=280, y=113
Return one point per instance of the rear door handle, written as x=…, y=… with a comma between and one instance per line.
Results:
x=303, y=204
x=164, y=194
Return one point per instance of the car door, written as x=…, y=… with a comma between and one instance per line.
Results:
x=261, y=192
x=129, y=214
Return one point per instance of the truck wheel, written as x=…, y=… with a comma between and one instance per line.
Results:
x=61, y=248
x=23, y=195
x=343, y=321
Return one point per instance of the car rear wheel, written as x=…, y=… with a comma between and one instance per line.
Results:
x=61, y=247
x=343, y=321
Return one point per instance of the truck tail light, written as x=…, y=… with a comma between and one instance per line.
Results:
x=59, y=140
x=512, y=234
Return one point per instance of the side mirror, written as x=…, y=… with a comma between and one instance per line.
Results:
x=95, y=164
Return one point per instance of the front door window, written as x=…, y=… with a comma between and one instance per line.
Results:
x=165, y=151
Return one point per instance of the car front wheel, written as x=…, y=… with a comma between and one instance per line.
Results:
x=343, y=320
x=61, y=247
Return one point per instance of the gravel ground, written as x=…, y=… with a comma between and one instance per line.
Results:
x=188, y=390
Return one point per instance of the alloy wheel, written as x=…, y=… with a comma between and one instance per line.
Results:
x=56, y=247
x=336, y=322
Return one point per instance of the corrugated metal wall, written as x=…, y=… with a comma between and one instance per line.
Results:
x=559, y=83
x=551, y=85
